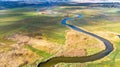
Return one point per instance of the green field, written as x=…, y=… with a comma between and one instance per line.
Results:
x=28, y=22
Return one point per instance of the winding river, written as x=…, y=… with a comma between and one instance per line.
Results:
x=109, y=48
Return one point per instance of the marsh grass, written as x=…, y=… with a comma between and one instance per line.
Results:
x=26, y=21
x=39, y=52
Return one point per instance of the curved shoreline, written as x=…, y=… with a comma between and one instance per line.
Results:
x=109, y=48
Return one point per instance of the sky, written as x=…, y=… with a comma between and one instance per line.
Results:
x=70, y=0
x=95, y=0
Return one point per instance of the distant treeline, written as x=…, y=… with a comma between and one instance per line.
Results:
x=109, y=5
x=16, y=4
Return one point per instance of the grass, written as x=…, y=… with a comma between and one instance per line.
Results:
x=38, y=52
x=25, y=21
x=115, y=54
x=99, y=22
x=10, y=17
x=114, y=59
x=105, y=24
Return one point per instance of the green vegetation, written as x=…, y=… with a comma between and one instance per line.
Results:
x=8, y=19
x=103, y=20
x=27, y=21
x=113, y=60
x=39, y=52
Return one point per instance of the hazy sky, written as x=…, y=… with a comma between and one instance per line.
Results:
x=71, y=0
x=95, y=0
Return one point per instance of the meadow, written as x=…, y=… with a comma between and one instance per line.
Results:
x=104, y=22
